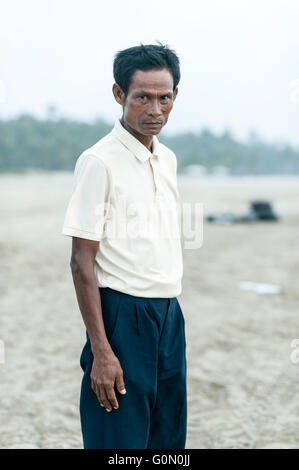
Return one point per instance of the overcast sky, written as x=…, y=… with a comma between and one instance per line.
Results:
x=239, y=60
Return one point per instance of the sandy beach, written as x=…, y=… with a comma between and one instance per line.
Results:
x=242, y=384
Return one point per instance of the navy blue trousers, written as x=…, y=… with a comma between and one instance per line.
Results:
x=148, y=337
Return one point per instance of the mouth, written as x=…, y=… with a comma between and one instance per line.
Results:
x=153, y=123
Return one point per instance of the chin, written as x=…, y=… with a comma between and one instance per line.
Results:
x=152, y=130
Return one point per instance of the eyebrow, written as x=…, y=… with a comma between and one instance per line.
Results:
x=145, y=92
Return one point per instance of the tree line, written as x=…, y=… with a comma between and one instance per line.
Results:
x=55, y=144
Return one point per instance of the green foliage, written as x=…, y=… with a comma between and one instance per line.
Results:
x=252, y=157
x=55, y=144
x=26, y=142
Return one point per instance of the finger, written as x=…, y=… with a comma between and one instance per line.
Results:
x=99, y=397
x=111, y=396
x=120, y=385
x=96, y=390
x=104, y=399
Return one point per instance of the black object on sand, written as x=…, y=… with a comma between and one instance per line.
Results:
x=258, y=211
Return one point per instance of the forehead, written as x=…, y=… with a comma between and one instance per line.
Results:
x=152, y=80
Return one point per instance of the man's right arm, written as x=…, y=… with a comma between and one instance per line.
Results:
x=106, y=369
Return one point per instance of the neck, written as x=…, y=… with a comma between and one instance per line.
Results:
x=146, y=140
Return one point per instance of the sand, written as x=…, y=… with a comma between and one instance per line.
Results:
x=242, y=384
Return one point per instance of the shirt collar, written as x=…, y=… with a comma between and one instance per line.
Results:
x=133, y=144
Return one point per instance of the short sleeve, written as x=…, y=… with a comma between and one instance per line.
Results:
x=90, y=201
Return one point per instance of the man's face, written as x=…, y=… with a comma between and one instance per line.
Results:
x=149, y=100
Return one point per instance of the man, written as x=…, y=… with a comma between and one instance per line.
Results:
x=133, y=392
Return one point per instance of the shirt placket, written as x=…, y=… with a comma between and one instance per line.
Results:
x=155, y=173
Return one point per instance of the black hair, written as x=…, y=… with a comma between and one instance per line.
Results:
x=144, y=57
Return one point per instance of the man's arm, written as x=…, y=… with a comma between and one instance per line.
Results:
x=106, y=369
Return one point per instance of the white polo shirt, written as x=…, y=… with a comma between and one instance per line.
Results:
x=126, y=198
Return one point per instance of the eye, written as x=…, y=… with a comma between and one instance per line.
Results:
x=143, y=97
x=165, y=97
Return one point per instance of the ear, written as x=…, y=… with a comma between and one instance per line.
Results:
x=176, y=90
x=118, y=94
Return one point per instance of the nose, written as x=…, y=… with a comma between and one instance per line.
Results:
x=154, y=109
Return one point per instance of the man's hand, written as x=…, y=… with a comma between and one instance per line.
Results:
x=106, y=370
x=105, y=373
